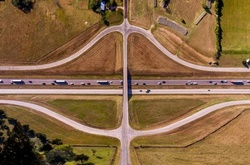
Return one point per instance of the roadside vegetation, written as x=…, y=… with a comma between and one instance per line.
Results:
x=103, y=60
x=218, y=30
x=55, y=129
x=104, y=114
x=153, y=113
x=220, y=137
x=51, y=31
x=149, y=112
x=21, y=145
x=26, y=38
x=214, y=41
x=235, y=32
x=145, y=59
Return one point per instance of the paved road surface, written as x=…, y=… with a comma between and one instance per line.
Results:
x=131, y=133
x=120, y=92
x=72, y=123
x=132, y=82
x=125, y=152
x=62, y=91
x=126, y=29
x=190, y=118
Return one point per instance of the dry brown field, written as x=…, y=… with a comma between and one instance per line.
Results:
x=104, y=58
x=143, y=13
x=199, y=46
x=220, y=137
x=184, y=9
x=144, y=59
x=27, y=38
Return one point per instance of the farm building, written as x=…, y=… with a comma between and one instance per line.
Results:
x=103, y=5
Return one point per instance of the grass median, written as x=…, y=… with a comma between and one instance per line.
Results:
x=145, y=114
x=103, y=114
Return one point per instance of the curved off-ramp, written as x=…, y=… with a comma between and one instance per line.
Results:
x=189, y=119
x=112, y=133
x=126, y=29
x=117, y=133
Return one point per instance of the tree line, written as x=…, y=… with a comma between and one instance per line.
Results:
x=20, y=145
x=218, y=30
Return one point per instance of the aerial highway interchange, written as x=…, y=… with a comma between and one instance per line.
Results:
x=124, y=133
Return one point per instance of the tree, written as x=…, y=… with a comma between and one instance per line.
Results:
x=57, y=141
x=24, y=5
x=94, y=4
x=60, y=155
x=83, y=158
x=18, y=149
x=2, y=114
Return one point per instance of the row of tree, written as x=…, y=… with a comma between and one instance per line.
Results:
x=19, y=145
x=218, y=30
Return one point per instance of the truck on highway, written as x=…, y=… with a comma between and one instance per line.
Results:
x=61, y=82
x=103, y=82
x=238, y=82
x=17, y=81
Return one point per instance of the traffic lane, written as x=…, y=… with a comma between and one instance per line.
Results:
x=120, y=82
x=188, y=91
x=189, y=82
x=63, y=91
x=67, y=82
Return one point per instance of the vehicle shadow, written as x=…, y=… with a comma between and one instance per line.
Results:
x=129, y=85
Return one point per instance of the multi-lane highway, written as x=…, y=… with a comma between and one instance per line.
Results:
x=130, y=133
x=125, y=133
x=121, y=92
x=120, y=82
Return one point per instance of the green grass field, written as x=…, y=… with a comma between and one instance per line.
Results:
x=97, y=155
x=148, y=113
x=236, y=27
x=95, y=113
x=228, y=145
x=55, y=129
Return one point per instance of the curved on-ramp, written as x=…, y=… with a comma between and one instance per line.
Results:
x=117, y=133
x=127, y=29
x=63, y=119
x=189, y=119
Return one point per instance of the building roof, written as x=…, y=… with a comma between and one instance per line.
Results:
x=103, y=5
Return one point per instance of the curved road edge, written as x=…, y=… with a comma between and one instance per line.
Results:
x=189, y=119
x=125, y=26
x=112, y=133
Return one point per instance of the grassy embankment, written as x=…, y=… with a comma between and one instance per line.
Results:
x=235, y=31
x=104, y=114
x=145, y=59
x=149, y=112
x=94, y=111
x=198, y=46
x=33, y=36
x=220, y=137
x=54, y=129
x=103, y=60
